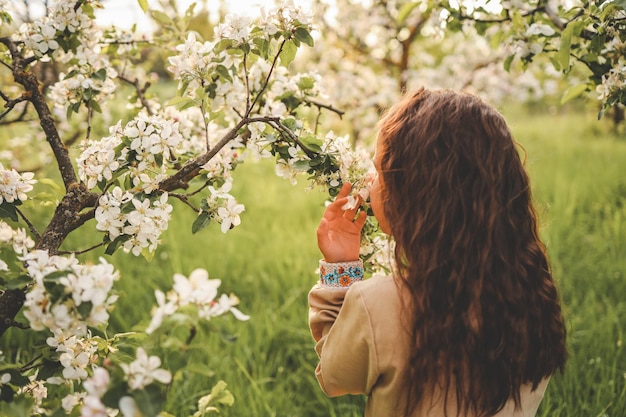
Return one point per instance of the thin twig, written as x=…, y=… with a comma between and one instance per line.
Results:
x=287, y=132
x=247, y=78
x=141, y=92
x=28, y=365
x=184, y=199
x=9, y=322
x=89, y=114
x=11, y=103
x=80, y=252
x=267, y=79
x=31, y=226
x=325, y=106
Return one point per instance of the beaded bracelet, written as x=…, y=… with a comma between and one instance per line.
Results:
x=340, y=274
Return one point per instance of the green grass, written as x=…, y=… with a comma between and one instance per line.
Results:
x=269, y=261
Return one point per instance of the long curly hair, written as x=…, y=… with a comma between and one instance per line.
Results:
x=486, y=316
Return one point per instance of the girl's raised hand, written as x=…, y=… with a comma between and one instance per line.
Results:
x=339, y=232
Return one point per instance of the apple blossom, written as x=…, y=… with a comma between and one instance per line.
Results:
x=14, y=186
x=197, y=290
x=145, y=370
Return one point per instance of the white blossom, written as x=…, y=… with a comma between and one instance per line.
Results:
x=145, y=370
x=197, y=290
x=229, y=213
x=14, y=186
x=70, y=401
x=540, y=29
x=98, y=383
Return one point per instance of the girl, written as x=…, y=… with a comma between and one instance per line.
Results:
x=470, y=323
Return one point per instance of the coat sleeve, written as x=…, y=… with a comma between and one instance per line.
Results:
x=341, y=326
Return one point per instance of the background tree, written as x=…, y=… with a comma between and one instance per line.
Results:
x=530, y=50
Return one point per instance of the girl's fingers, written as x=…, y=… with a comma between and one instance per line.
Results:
x=345, y=190
x=360, y=220
x=322, y=229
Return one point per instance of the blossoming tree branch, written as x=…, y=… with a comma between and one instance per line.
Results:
x=236, y=99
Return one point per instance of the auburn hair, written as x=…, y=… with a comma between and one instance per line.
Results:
x=486, y=316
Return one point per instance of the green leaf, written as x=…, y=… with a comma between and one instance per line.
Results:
x=49, y=369
x=161, y=17
x=405, y=11
x=301, y=165
x=508, y=61
x=263, y=46
x=219, y=396
x=8, y=211
x=21, y=405
x=17, y=379
x=304, y=36
x=288, y=53
x=112, y=247
x=19, y=282
x=95, y=106
x=223, y=72
x=306, y=83
x=182, y=103
x=147, y=254
x=85, y=308
x=573, y=92
x=101, y=74
x=566, y=44
x=143, y=4
x=223, y=44
x=201, y=222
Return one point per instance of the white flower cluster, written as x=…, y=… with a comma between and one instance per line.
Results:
x=89, y=77
x=14, y=186
x=144, y=370
x=223, y=208
x=192, y=61
x=88, y=84
x=75, y=354
x=197, y=62
x=95, y=388
x=141, y=372
x=378, y=251
x=235, y=27
x=74, y=297
x=140, y=220
x=38, y=391
x=355, y=165
x=197, y=290
x=286, y=13
x=17, y=238
x=40, y=36
x=283, y=16
x=66, y=298
x=98, y=161
x=149, y=141
x=612, y=82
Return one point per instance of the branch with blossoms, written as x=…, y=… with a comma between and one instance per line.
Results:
x=236, y=99
x=587, y=33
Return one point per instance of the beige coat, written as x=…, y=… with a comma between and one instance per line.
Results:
x=363, y=348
